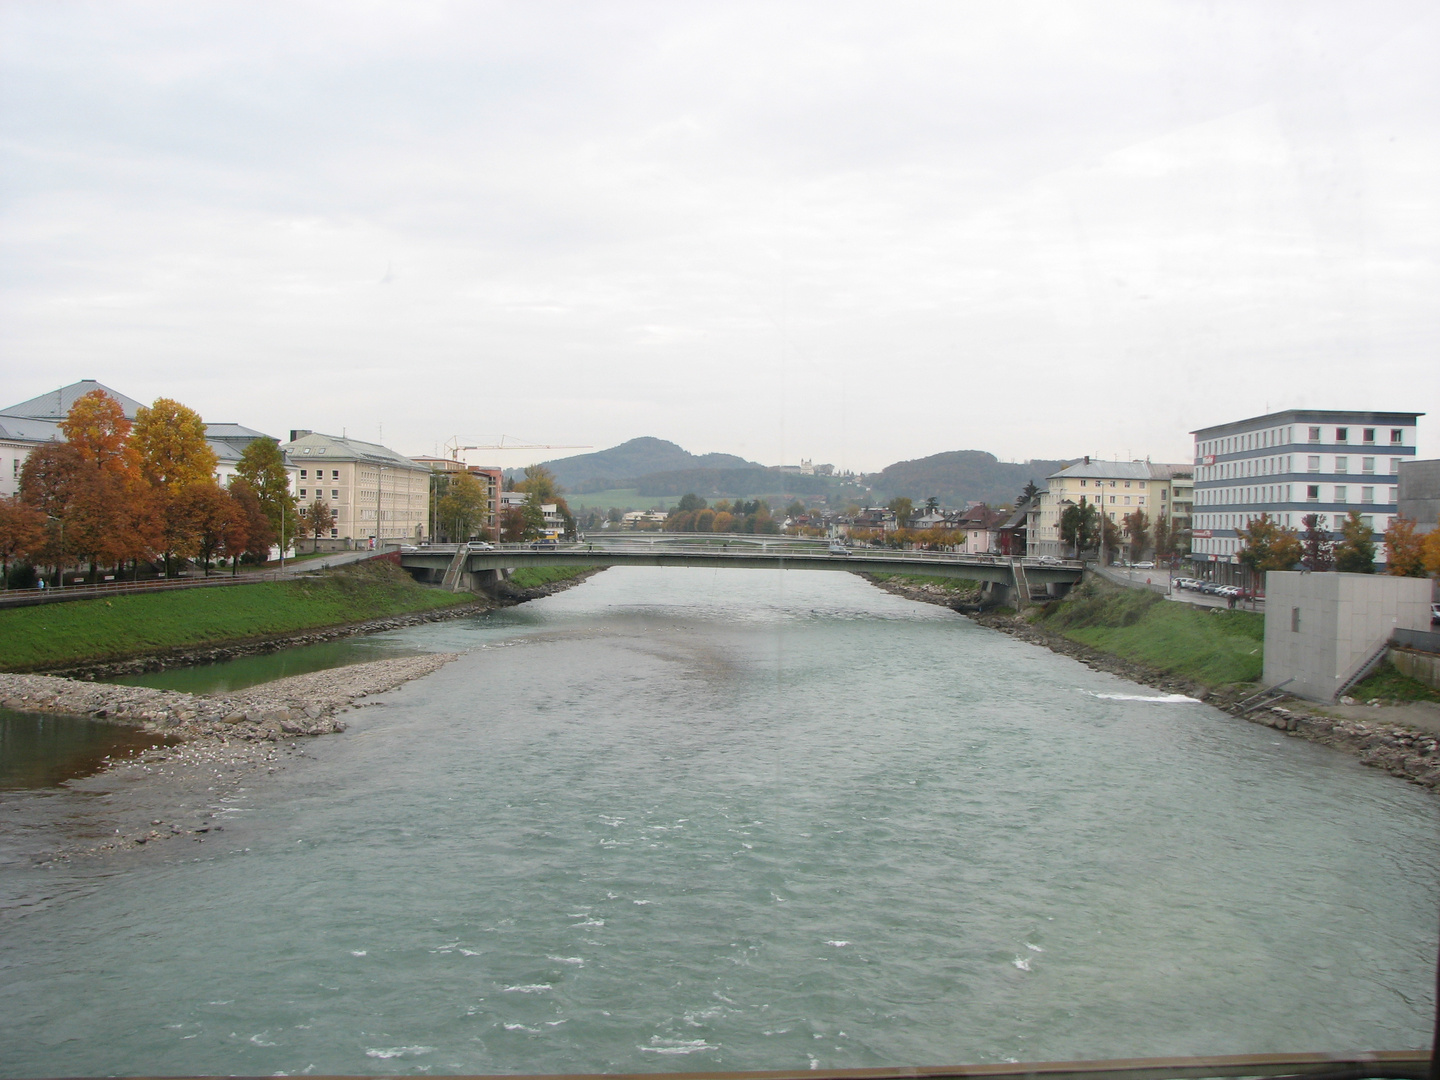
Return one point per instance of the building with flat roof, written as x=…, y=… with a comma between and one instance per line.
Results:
x=1293, y=463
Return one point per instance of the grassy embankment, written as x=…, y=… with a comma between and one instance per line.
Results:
x=1390, y=685
x=1212, y=646
x=958, y=586
x=533, y=577
x=56, y=635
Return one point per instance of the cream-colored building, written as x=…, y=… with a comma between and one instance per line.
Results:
x=1118, y=488
x=373, y=491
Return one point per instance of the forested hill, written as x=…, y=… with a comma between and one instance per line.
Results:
x=959, y=476
x=621, y=466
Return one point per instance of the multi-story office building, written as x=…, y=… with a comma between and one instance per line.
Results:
x=1293, y=463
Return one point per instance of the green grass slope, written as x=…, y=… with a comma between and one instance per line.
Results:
x=532, y=577
x=56, y=635
x=1212, y=646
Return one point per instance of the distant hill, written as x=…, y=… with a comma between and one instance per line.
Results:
x=733, y=483
x=960, y=476
x=621, y=466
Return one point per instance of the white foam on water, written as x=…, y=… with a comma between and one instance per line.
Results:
x=529, y=988
x=358, y=952
x=522, y=1027
x=675, y=1046
x=578, y=961
x=642, y=902
x=1022, y=962
x=590, y=922
x=1033, y=948
x=1164, y=699
x=386, y=1053
x=838, y=944
x=469, y=952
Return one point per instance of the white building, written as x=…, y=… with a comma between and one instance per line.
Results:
x=1293, y=463
x=26, y=425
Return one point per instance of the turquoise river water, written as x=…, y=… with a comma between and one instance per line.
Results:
x=684, y=819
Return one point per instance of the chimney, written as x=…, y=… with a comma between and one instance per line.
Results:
x=1087, y=456
x=298, y=433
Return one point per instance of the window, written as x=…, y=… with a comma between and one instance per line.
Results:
x=1394, y=492
x=334, y=474
x=1341, y=493
x=1083, y=482
x=1368, y=434
x=1342, y=434
x=1314, y=436
x=1367, y=464
x=1141, y=500
x=1367, y=521
x=1127, y=483
x=1294, y=620
x=1394, y=465
x=302, y=493
x=334, y=533
x=335, y=493
x=1112, y=500
x=1314, y=462
x=1312, y=492
x=1367, y=494
x=304, y=474
x=1397, y=436
x=1112, y=484
x=1127, y=500
x=1342, y=464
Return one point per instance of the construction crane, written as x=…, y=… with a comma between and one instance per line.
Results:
x=456, y=449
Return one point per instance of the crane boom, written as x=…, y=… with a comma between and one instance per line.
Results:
x=456, y=449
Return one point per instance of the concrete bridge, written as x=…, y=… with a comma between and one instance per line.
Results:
x=477, y=567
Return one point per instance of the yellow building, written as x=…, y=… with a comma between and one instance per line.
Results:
x=1119, y=488
x=373, y=491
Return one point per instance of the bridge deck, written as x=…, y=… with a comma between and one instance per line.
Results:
x=783, y=556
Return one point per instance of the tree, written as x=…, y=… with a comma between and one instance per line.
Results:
x=171, y=441
x=932, y=504
x=1164, y=540
x=1269, y=545
x=1111, y=534
x=533, y=516
x=258, y=530
x=317, y=519
x=1355, y=554
x=1137, y=532
x=1404, y=557
x=904, y=509
x=1028, y=492
x=219, y=522
x=97, y=427
x=795, y=509
x=461, y=509
x=1430, y=551
x=1319, y=550
x=689, y=501
x=48, y=483
x=1078, y=526
x=262, y=467
x=540, y=482
x=512, y=525
x=22, y=530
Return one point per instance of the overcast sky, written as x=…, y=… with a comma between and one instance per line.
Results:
x=851, y=232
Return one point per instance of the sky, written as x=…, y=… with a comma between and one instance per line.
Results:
x=854, y=233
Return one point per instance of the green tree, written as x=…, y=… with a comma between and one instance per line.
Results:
x=171, y=441
x=1355, y=554
x=1404, y=557
x=1164, y=540
x=533, y=516
x=1028, y=492
x=262, y=467
x=540, y=482
x=1268, y=545
x=1137, y=533
x=932, y=504
x=1079, y=525
x=1110, y=532
x=1317, y=547
x=903, y=509
x=795, y=509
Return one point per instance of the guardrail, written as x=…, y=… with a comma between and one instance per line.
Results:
x=777, y=547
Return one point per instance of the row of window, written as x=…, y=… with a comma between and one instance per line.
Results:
x=1285, y=463
x=1273, y=493
x=320, y=493
x=1241, y=521
x=320, y=474
x=1281, y=436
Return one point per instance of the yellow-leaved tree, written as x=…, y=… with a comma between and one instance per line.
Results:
x=1403, y=557
x=171, y=441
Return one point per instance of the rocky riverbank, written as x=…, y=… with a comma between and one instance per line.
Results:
x=1398, y=748
x=205, y=745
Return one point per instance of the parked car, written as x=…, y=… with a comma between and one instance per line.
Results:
x=1144, y=566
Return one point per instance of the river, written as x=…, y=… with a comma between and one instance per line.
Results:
x=684, y=819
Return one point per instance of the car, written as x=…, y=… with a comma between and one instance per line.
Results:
x=479, y=545
x=837, y=548
x=542, y=544
x=1435, y=613
x=1144, y=566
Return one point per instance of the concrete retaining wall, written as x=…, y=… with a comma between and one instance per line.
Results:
x=1418, y=665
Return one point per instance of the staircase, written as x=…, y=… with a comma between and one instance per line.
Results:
x=455, y=573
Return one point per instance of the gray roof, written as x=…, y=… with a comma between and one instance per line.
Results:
x=1108, y=470
x=56, y=404
x=334, y=448
x=24, y=429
